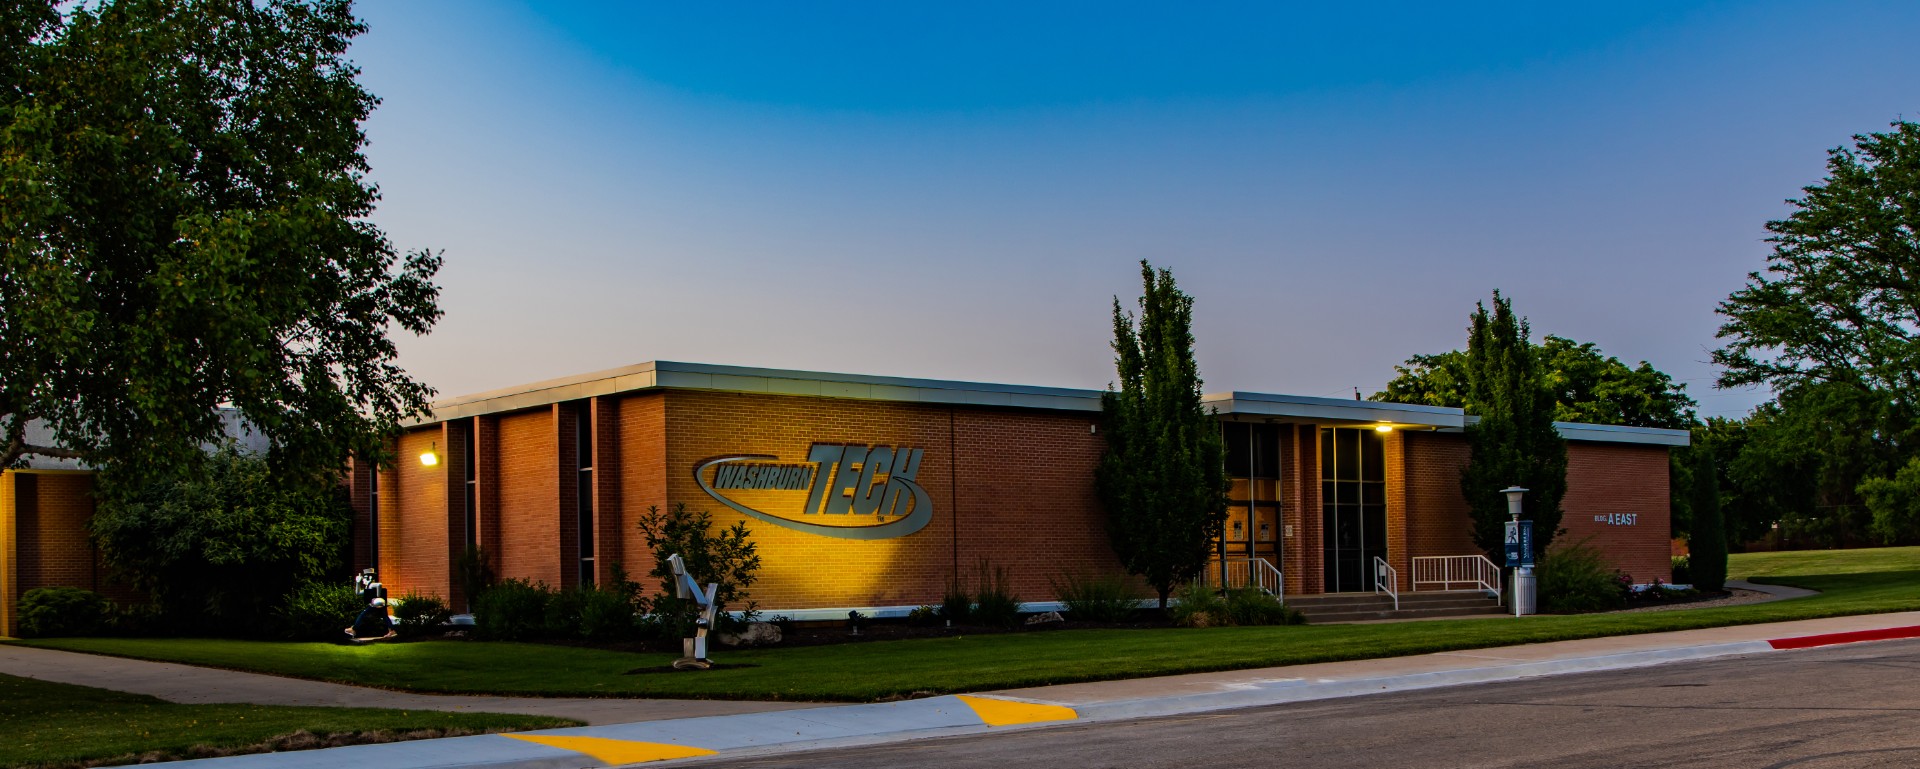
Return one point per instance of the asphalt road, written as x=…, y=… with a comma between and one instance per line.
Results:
x=1850, y=706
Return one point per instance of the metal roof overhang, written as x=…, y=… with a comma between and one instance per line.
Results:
x=671, y=375
x=1302, y=408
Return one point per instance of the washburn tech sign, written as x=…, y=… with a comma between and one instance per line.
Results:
x=850, y=480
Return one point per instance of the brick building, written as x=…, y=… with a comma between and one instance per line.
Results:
x=874, y=493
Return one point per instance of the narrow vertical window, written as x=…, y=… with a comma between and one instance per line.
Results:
x=583, y=454
x=471, y=454
x=373, y=517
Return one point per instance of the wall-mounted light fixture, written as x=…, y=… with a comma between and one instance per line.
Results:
x=431, y=456
x=1383, y=428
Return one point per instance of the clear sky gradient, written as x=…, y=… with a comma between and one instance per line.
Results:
x=959, y=192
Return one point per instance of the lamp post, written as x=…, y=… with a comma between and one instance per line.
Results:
x=1518, y=556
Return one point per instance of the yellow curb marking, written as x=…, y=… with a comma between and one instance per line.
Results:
x=997, y=712
x=615, y=752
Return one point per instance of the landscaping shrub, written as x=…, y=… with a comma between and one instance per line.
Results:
x=726, y=558
x=512, y=610
x=51, y=612
x=1196, y=605
x=605, y=614
x=1577, y=578
x=220, y=546
x=924, y=616
x=957, y=605
x=420, y=615
x=1682, y=571
x=1098, y=598
x=1253, y=606
x=318, y=611
x=562, y=616
x=473, y=574
x=994, y=603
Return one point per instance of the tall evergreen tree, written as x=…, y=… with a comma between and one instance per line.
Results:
x=1163, y=479
x=1707, y=545
x=1514, y=443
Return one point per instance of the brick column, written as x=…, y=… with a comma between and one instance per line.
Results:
x=1307, y=467
x=609, y=521
x=486, y=460
x=1394, y=452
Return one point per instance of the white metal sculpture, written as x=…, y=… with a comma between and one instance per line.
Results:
x=694, y=650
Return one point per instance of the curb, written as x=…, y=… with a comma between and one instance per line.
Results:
x=1857, y=636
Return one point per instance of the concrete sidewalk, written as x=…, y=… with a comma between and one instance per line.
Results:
x=191, y=685
x=729, y=737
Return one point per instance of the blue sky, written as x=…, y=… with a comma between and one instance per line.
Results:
x=959, y=191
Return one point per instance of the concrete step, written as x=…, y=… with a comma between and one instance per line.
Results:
x=1403, y=614
x=1352, y=607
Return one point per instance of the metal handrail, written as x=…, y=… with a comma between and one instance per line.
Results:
x=1448, y=570
x=1244, y=572
x=1267, y=576
x=1386, y=579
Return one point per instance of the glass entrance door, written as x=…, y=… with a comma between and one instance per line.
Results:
x=1353, y=496
x=1254, y=459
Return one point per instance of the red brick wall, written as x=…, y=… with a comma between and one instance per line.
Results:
x=639, y=478
x=413, y=524
x=1025, y=500
x=1015, y=487
x=1023, y=497
x=1615, y=478
x=1393, y=450
x=1602, y=478
x=1441, y=523
x=529, y=511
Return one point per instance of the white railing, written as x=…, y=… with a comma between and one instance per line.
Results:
x=1267, y=576
x=1446, y=571
x=1386, y=579
x=1243, y=572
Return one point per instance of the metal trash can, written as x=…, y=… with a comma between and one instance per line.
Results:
x=1524, y=587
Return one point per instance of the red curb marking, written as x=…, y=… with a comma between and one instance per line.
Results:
x=1828, y=639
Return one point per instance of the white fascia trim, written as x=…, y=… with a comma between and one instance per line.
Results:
x=1592, y=433
x=741, y=379
x=1335, y=410
x=1656, y=436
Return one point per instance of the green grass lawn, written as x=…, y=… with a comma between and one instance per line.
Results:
x=1851, y=582
x=49, y=724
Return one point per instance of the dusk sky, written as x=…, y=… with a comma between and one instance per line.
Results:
x=959, y=192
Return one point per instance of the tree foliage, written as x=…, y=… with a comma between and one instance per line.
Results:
x=727, y=557
x=1514, y=443
x=1832, y=326
x=1163, y=478
x=183, y=224
x=1586, y=386
x=1707, y=545
x=225, y=542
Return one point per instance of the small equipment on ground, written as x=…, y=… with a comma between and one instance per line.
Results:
x=375, y=622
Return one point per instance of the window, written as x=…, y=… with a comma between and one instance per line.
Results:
x=373, y=517
x=1253, y=458
x=1353, y=497
x=583, y=459
x=469, y=463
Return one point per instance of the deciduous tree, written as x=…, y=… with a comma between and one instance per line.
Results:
x=183, y=225
x=1163, y=478
x=1514, y=442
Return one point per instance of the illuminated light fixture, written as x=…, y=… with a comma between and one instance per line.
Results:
x=1383, y=428
x=431, y=456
